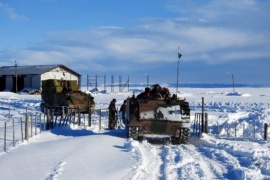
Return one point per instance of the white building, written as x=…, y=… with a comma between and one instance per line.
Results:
x=15, y=78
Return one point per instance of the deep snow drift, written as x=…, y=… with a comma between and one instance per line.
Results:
x=234, y=148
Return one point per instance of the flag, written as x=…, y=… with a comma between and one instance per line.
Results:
x=179, y=55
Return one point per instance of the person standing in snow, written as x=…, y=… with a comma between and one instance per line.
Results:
x=112, y=112
x=123, y=111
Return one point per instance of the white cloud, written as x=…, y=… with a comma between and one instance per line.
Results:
x=215, y=33
x=151, y=43
x=11, y=13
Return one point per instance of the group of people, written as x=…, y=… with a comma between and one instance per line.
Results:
x=156, y=91
x=113, y=112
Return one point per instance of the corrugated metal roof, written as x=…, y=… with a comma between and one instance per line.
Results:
x=35, y=69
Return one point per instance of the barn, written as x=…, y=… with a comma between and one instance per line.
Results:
x=15, y=78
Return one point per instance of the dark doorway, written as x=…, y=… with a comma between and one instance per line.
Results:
x=20, y=83
x=2, y=83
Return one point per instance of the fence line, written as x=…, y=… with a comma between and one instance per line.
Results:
x=17, y=130
x=229, y=130
x=232, y=130
x=21, y=129
x=34, y=123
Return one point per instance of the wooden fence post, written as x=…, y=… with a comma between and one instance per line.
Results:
x=36, y=124
x=89, y=110
x=74, y=116
x=31, y=125
x=206, y=123
x=40, y=123
x=5, y=137
x=52, y=118
x=22, y=129
x=265, y=131
x=99, y=119
x=13, y=132
x=79, y=116
x=26, y=127
x=89, y=119
x=63, y=114
x=203, y=130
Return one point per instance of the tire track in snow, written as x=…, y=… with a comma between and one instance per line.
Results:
x=185, y=162
x=233, y=168
x=193, y=161
x=149, y=161
x=173, y=162
x=243, y=160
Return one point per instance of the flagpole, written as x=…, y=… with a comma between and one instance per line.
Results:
x=177, y=77
x=179, y=56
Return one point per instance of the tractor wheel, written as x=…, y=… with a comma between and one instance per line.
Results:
x=184, y=135
x=134, y=132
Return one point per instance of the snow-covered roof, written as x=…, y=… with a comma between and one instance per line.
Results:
x=34, y=69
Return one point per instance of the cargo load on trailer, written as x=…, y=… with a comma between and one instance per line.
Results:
x=65, y=93
x=155, y=113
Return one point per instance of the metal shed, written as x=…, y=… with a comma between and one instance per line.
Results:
x=15, y=78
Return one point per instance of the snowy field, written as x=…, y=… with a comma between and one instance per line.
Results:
x=234, y=148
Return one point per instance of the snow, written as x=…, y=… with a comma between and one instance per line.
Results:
x=234, y=148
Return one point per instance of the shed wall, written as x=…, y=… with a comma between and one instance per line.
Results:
x=59, y=73
x=34, y=80
x=9, y=83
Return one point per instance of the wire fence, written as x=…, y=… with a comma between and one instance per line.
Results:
x=242, y=130
x=16, y=130
x=229, y=129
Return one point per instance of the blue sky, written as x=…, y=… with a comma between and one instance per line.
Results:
x=217, y=38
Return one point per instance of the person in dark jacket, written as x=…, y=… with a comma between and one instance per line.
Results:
x=112, y=112
x=145, y=94
x=123, y=111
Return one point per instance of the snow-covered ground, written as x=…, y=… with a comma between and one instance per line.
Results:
x=234, y=148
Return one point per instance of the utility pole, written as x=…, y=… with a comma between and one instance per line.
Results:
x=147, y=80
x=233, y=82
x=16, y=86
